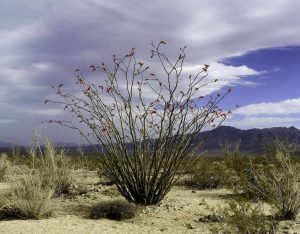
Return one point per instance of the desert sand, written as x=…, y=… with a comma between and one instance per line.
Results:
x=179, y=212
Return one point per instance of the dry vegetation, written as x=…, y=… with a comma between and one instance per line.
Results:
x=28, y=198
x=204, y=201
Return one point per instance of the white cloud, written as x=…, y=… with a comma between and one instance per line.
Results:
x=285, y=107
x=263, y=122
x=226, y=75
x=14, y=38
x=222, y=31
x=5, y=121
x=285, y=113
x=46, y=112
x=43, y=66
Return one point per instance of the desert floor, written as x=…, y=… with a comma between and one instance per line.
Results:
x=178, y=213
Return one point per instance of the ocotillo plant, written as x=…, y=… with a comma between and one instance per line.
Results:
x=144, y=122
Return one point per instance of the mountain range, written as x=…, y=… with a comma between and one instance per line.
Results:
x=251, y=140
x=4, y=144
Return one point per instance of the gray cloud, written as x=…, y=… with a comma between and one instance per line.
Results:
x=43, y=42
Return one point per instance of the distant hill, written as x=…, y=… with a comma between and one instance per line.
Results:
x=4, y=144
x=252, y=140
x=65, y=144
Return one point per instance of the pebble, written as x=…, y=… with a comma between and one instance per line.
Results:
x=190, y=226
x=210, y=218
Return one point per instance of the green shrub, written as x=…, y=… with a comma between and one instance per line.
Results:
x=115, y=210
x=244, y=218
x=240, y=175
x=205, y=174
x=29, y=198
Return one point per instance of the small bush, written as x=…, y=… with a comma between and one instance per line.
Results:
x=244, y=218
x=205, y=174
x=53, y=166
x=4, y=166
x=115, y=210
x=28, y=199
x=240, y=175
x=281, y=180
x=56, y=167
x=276, y=180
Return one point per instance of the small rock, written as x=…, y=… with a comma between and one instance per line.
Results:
x=164, y=229
x=214, y=218
x=190, y=226
x=210, y=218
x=97, y=190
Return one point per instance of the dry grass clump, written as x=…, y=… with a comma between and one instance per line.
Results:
x=47, y=174
x=281, y=180
x=115, y=210
x=29, y=198
x=4, y=166
x=242, y=217
x=53, y=166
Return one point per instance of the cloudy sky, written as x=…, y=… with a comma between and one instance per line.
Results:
x=252, y=46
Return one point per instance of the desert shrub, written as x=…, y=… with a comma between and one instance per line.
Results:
x=205, y=174
x=4, y=166
x=116, y=210
x=53, y=166
x=245, y=218
x=145, y=124
x=276, y=180
x=29, y=198
x=281, y=181
x=280, y=144
x=240, y=175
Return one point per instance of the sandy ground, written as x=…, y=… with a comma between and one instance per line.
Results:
x=178, y=213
